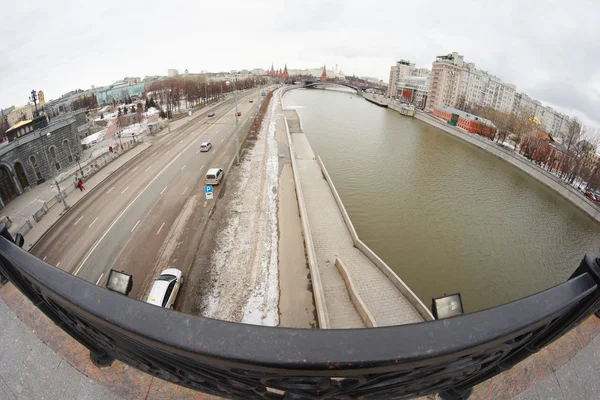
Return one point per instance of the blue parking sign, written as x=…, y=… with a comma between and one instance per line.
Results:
x=208, y=189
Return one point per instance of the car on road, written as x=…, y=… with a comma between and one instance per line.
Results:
x=592, y=195
x=251, y=101
x=211, y=114
x=166, y=288
x=205, y=146
x=214, y=176
x=239, y=114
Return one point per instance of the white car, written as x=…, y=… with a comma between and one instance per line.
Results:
x=166, y=288
x=214, y=176
x=205, y=146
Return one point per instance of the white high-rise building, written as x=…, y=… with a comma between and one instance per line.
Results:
x=172, y=73
x=454, y=81
x=551, y=121
x=408, y=83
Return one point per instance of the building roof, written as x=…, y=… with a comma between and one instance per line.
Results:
x=18, y=125
x=466, y=115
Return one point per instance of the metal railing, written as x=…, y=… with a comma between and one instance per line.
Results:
x=255, y=362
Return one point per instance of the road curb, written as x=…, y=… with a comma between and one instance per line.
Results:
x=64, y=214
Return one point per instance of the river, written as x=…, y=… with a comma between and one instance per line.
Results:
x=446, y=216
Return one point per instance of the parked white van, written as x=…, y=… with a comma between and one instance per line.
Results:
x=214, y=176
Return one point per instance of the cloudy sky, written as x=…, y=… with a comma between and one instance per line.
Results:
x=549, y=49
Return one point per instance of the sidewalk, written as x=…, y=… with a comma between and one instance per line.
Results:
x=57, y=210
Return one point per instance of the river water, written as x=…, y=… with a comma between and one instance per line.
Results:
x=446, y=216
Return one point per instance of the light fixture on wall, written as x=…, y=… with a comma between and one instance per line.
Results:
x=447, y=306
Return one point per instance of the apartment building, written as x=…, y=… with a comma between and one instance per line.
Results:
x=552, y=121
x=455, y=81
x=408, y=83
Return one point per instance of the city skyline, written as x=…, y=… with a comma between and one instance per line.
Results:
x=551, y=61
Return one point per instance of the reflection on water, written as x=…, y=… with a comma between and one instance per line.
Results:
x=446, y=216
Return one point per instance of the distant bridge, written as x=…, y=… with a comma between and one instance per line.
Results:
x=359, y=88
x=309, y=84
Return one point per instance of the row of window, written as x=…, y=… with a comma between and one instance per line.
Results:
x=53, y=156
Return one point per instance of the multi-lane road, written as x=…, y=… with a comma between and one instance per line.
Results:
x=126, y=220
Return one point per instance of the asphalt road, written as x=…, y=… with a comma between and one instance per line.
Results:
x=143, y=199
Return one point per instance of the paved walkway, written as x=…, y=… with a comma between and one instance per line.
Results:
x=332, y=239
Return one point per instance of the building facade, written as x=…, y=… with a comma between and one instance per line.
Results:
x=118, y=92
x=552, y=121
x=453, y=82
x=20, y=114
x=172, y=73
x=39, y=155
x=468, y=122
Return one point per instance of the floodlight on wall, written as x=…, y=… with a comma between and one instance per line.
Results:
x=119, y=282
x=447, y=306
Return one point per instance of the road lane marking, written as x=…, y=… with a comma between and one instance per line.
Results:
x=163, y=190
x=148, y=168
x=110, y=190
x=44, y=259
x=93, y=222
x=78, y=220
x=134, y=169
x=135, y=226
x=57, y=264
x=180, y=141
x=202, y=166
x=169, y=142
x=167, y=152
x=129, y=205
x=198, y=151
x=159, y=229
x=222, y=140
x=98, y=281
x=124, y=190
x=214, y=151
x=184, y=191
x=183, y=167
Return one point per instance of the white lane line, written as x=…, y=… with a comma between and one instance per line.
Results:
x=148, y=168
x=222, y=140
x=57, y=264
x=217, y=131
x=169, y=142
x=163, y=190
x=160, y=229
x=183, y=167
x=167, y=152
x=110, y=190
x=98, y=281
x=198, y=151
x=93, y=222
x=78, y=220
x=135, y=226
x=214, y=151
x=44, y=259
x=124, y=190
x=129, y=205
x=184, y=191
x=180, y=141
x=202, y=167
x=133, y=170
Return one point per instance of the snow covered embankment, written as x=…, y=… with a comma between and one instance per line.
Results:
x=245, y=263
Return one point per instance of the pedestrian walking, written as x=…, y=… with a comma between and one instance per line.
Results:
x=80, y=184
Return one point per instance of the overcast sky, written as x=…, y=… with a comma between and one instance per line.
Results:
x=549, y=49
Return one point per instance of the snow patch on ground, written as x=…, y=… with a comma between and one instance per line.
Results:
x=245, y=263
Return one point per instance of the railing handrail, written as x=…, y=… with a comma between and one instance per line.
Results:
x=245, y=360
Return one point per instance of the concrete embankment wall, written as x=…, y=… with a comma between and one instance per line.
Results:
x=546, y=178
x=313, y=266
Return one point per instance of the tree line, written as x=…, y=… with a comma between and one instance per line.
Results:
x=194, y=90
x=574, y=160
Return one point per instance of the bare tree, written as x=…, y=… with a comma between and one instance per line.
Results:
x=573, y=135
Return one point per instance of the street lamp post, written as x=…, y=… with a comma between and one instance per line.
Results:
x=237, y=139
x=77, y=158
x=60, y=196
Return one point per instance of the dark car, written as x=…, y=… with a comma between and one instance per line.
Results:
x=251, y=101
x=212, y=114
x=592, y=195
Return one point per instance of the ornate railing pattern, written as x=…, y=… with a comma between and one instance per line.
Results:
x=253, y=362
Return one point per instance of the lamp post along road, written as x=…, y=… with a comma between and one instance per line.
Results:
x=60, y=196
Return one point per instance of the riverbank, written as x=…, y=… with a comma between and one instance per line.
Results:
x=546, y=178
